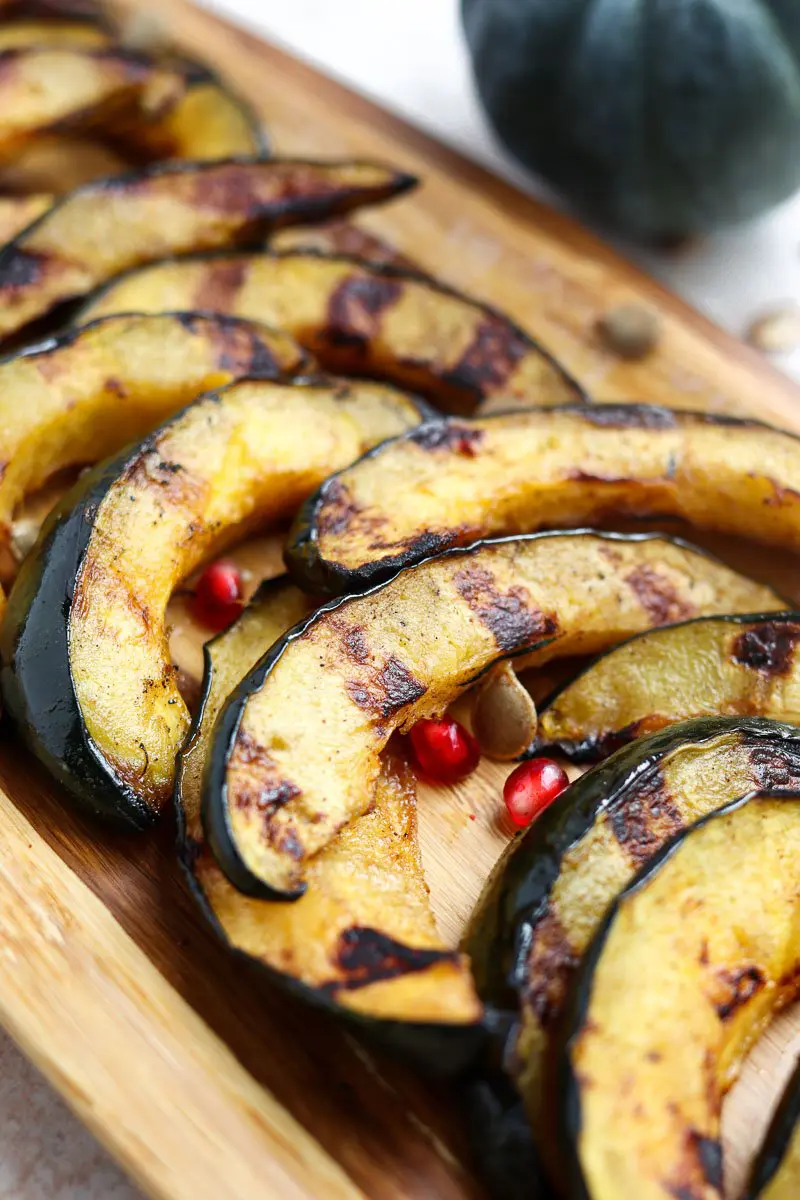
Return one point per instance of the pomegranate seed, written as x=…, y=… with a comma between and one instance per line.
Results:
x=217, y=600
x=444, y=749
x=531, y=787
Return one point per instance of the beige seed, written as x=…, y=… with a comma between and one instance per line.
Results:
x=630, y=331
x=504, y=716
x=776, y=332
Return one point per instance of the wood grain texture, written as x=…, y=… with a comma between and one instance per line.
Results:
x=111, y=982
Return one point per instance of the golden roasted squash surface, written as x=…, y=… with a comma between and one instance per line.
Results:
x=83, y=396
x=311, y=734
x=43, y=32
x=208, y=121
x=364, y=935
x=234, y=460
x=361, y=319
x=690, y=968
x=713, y=666
x=18, y=211
x=529, y=470
x=178, y=208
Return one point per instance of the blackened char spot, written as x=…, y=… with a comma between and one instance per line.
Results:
x=737, y=987
x=776, y=766
x=354, y=642
x=548, y=965
x=367, y=956
x=630, y=416
x=219, y=285
x=489, y=360
x=261, y=786
x=514, y=625
x=767, y=648
x=356, y=306
x=448, y=435
x=21, y=269
x=657, y=596
x=644, y=817
x=387, y=691
x=336, y=508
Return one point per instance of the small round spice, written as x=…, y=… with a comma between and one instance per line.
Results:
x=444, y=749
x=630, y=331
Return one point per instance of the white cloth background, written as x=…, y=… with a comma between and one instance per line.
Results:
x=409, y=55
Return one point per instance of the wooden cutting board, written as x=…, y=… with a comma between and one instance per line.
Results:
x=200, y=1081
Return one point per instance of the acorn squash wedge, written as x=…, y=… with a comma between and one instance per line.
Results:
x=41, y=31
x=362, y=943
x=527, y=470
x=776, y=1171
x=691, y=962
x=86, y=671
x=47, y=88
x=728, y=666
x=361, y=318
x=86, y=394
x=549, y=891
x=296, y=751
x=51, y=165
x=172, y=208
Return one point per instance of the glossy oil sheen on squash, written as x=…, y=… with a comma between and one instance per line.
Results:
x=691, y=964
x=407, y=650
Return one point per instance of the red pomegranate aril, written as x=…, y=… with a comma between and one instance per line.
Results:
x=531, y=787
x=217, y=600
x=444, y=749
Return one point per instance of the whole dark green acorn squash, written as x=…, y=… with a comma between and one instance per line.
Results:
x=663, y=117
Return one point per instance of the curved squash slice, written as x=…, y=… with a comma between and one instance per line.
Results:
x=776, y=1170
x=86, y=667
x=44, y=32
x=363, y=941
x=526, y=470
x=47, y=88
x=729, y=666
x=690, y=964
x=362, y=319
x=54, y=165
x=548, y=893
x=296, y=752
x=173, y=208
x=84, y=395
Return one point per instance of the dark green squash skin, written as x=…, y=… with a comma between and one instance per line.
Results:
x=783, y=1128
x=438, y=1049
x=520, y=886
x=215, y=807
x=594, y=750
x=35, y=677
x=326, y=577
x=662, y=120
x=567, y=1118
x=506, y=1159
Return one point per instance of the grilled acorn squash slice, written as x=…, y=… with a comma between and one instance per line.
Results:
x=549, y=891
x=41, y=31
x=172, y=208
x=776, y=1170
x=46, y=88
x=296, y=752
x=525, y=470
x=85, y=660
x=728, y=666
x=690, y=964
x=362, y=942
x=362, y=319
x=84, y=395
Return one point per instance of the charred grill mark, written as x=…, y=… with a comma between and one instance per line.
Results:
x=768, y=648
x=219, y=285
x=775, y=766
x=737, y=987
x=658, y=596
x=513, y=624
x=490, y=359
x=21, y=269
x=356, y=306
x=174, y=483
x=387, y=691
x=354, y=642
x=629, y=416
x=548, y=966
x=450, y=436
x=256, y=782
x=337, y=509
x=342, y=237
x=644, y=818
x=365, y=956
